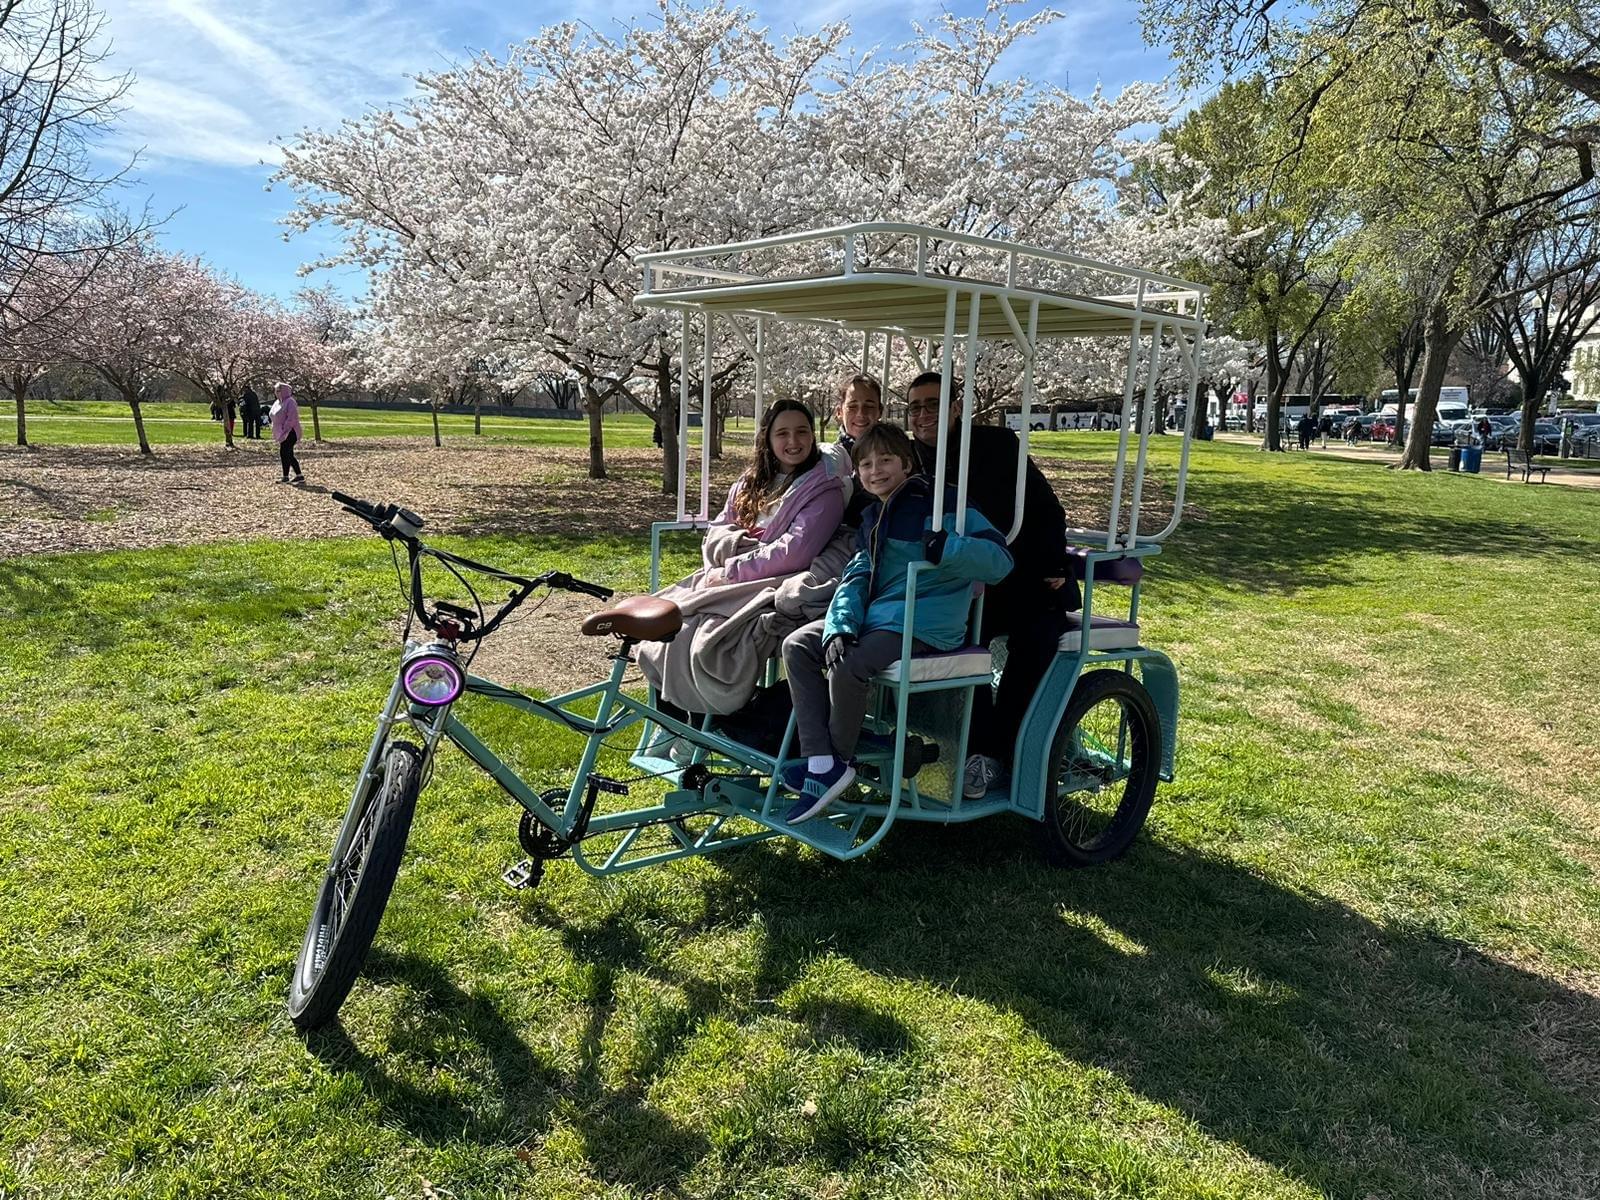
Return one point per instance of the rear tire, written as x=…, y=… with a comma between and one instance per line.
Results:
x=354, y=892
x=1103, y=769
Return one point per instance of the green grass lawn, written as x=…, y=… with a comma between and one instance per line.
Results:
x=1355, y=952
x=90, y=422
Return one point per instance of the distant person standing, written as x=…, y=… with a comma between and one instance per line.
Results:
x=1306, y=428
x=285, y=418
x=1325, y=427
x=229, y=412
x=250, y=403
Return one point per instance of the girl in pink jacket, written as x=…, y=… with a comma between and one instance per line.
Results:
x=285, y=418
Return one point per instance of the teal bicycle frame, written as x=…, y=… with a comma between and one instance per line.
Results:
x=734, y=786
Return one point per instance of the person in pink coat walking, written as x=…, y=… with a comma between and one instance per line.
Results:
x=285, y=419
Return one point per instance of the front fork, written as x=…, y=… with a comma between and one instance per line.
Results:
x=429, y=724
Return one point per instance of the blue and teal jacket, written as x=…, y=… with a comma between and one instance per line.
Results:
x=872, y=590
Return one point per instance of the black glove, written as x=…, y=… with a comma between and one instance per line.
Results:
x=933, y=544
x=839, y=645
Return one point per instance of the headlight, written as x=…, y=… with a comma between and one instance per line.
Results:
x=430, y=677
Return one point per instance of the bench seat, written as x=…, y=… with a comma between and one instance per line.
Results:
x=945, y=664
x=1105, y=633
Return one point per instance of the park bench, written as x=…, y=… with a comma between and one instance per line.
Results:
x=1521, y=459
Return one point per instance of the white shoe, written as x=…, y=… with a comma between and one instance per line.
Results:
x=982, y=773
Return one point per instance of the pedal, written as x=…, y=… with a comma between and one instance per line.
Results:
x=526, y=874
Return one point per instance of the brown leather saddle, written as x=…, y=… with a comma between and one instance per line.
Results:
x=638, y=618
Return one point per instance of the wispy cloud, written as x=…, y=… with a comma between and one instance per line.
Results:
x=216, y=85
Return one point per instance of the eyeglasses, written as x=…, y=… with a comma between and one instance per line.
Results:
x=918, y=407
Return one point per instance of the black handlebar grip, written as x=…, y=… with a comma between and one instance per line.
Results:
x=360, y=507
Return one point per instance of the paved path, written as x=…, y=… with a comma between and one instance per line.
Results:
x=1494, y=467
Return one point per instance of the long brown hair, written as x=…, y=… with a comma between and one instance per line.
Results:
x=756, y=482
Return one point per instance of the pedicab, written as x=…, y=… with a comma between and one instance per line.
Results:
x=1099, y=734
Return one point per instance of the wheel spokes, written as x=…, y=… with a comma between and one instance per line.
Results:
x=1095, y=773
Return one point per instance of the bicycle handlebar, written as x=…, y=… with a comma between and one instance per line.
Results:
x=396, y=523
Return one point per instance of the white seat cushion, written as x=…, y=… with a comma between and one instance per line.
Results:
x=1105, y=633
x=946, y=664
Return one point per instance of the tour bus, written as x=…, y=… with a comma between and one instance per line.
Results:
x=1454, y=403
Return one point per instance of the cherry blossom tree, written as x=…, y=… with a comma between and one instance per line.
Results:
x=144, y=302
x=316, y=348
x=501, y=210
x=225, y=334
x=32, y=318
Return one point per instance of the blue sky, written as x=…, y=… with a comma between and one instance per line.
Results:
x=216, y=83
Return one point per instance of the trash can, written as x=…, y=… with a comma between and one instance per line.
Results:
x=1472, y=459
x=1455, y=458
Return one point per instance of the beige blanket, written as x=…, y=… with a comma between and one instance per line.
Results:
x=730, y=630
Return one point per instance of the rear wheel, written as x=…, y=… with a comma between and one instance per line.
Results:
x=355, y=891
x=1104, y=766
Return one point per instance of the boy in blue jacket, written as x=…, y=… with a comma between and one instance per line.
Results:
x=861, y=635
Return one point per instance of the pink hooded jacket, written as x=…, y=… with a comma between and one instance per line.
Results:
x=804, y=524
x=285, y=415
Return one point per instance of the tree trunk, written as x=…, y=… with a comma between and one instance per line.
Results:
x=138, y=425
x=1272, y=436
x=19, y=388
x=667, y=422
x=1532, y=397
x=1441, y=336
x=316, y=422
x=477, y=415
x=434, y=409
x=597, y=439
x=718, y=416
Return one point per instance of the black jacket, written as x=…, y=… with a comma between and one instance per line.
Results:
x=1040, y=550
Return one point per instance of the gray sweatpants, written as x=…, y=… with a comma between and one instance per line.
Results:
x=829, y=709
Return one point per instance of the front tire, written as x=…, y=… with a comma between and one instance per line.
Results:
x=354, y=892
x=1104, y=765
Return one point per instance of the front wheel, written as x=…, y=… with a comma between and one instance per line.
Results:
x=1104, y=765
x=355, y=891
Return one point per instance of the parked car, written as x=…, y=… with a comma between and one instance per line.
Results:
x=1546, y=437
x=1383, y=428
x=1444, y=433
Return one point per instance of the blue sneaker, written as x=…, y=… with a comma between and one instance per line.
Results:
x=819, y=791
x=793, y=776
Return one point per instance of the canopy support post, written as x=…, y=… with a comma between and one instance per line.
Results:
x=973, y=302
x=1030, y=349
x=942, y=446
x=706, y=417
x=1144, y=432
x=761, y=369
x=683, y=416
x=1127, y=414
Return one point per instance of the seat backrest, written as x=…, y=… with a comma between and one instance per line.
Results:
x=1126, y=571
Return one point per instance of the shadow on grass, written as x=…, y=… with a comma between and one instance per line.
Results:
x=628, y=1142
x=1357, y=1058
x=1285, y=534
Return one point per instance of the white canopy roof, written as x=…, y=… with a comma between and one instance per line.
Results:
x=911, y=299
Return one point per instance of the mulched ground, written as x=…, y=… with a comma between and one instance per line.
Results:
x=59, y=499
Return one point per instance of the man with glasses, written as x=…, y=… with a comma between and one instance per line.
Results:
x=1031, y=605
